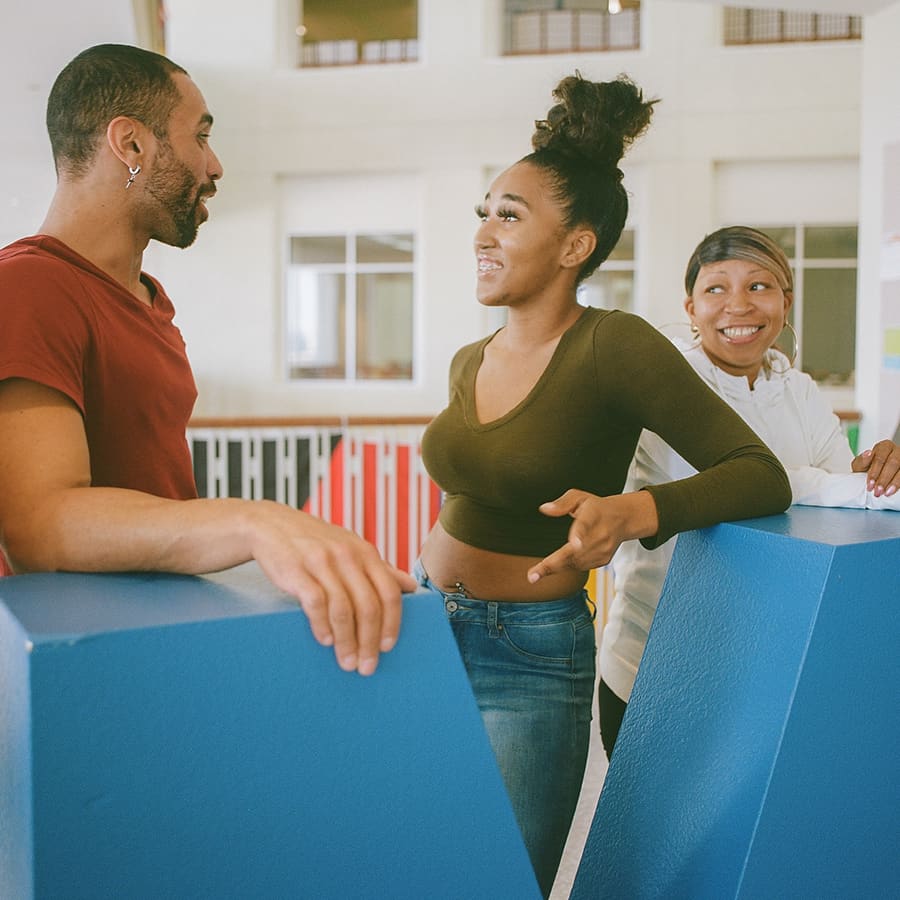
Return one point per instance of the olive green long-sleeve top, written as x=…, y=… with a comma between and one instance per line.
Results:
x=611, y=375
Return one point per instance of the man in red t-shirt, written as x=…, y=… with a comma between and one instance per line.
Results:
x=95, y=386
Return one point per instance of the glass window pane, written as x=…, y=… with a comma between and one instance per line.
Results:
x=765, y=25
x=736, y=25
x=382, y=248
x=828, y=342
x=384, y=326
x=608, y=290
x=834, y=242
x=328, y=249
x=316, y=314
x=833, y=26
x=785, y=237
x=624, y=29
x=625, y=248
x=349, y=32
x=591, y=29
x=328, y=20
x=799, y=26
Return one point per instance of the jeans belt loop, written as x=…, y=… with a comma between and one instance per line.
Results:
x=493, y=610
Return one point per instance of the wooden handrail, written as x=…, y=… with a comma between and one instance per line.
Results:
x=305, y=421
x=845, y=415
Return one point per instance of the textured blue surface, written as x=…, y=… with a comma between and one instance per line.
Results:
x=189, y=738
x=832, y=527
x=837, y=781
x=15, y=769
x=757, y=758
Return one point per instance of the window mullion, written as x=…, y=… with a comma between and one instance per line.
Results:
x=350, y=329
x=799, y=266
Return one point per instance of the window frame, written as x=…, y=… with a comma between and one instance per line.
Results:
x=632, y=12
x=351, y=269
x=359, y=40
x=782, y=25
x=610, y=264
x=800, y=262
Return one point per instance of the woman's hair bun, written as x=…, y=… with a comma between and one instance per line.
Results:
x=593, y=120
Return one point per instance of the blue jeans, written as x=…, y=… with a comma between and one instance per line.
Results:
x=531, y=666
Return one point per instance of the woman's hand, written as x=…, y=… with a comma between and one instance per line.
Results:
x=882, y=465
x=599, y=526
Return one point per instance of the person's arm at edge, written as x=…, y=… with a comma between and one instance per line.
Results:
x=832, y=476
x=738, y=476
x=737, y=470
x=816, y=487
x=51, y=519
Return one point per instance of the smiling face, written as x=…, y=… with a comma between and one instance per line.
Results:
x=184, y=170
x=739, y=310
x=522, y=247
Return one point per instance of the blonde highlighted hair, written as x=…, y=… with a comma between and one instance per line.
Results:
x=740, y=242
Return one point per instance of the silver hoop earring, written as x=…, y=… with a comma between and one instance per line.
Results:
x=777, y=356
x=132, y=172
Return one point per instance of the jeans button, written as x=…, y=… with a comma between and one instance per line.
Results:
x=451, y=606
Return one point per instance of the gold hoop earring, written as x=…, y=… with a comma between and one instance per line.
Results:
x=685, y=335
x=776, y=355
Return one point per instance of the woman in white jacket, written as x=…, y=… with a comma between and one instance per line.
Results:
x=739, y=290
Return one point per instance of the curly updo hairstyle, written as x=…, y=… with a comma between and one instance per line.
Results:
x=579, y=146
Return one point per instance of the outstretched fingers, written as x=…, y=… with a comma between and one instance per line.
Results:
x=351, y=597
x=567, y=556
x=564, y=558
x=599, y=526
x=363, y=604
x=332, y=608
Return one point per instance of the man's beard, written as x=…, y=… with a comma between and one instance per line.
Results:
x=176, y=191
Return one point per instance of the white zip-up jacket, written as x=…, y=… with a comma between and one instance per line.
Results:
x=787, y=410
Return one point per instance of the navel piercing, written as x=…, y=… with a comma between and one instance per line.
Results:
x=132, y=172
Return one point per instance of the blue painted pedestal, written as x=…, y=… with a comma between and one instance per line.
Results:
x=759, y=754
x=178, y=737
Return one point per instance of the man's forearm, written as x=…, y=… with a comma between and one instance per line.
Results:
x=106, y=529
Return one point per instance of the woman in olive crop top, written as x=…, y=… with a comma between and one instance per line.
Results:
x=534, y=446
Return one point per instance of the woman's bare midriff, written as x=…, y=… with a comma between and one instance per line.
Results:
x=486, y=575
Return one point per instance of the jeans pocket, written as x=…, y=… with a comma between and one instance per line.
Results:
x=549, y=643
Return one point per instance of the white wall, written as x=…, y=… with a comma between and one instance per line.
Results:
x=443, y=122
x=878, y=389
x=36, y=41
x=447, y=119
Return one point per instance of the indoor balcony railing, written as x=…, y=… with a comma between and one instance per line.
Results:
x=779, y=26
x=351, y=52
x=365, y=474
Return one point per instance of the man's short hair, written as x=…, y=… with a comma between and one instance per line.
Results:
x=101, y=83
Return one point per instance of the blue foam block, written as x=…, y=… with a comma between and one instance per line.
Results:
x=758, y=755
x=171, y=736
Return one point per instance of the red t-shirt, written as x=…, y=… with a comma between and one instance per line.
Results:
x=66, y=324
